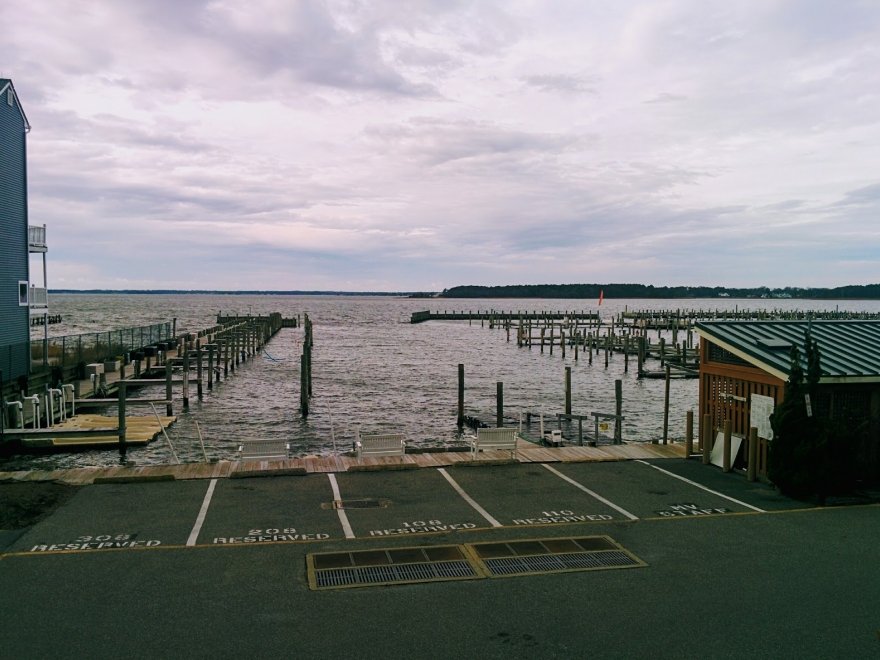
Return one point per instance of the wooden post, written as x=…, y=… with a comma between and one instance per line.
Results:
x=706, y=433
x=666, y=408
x=753, y=454
x=626, y=354
x=607, y=341
x=185, y=384
x=499, y=404
x=460, y=396
x=641, y=356
x=726, y=458
x=199, y=370
x=542, y=338
x=304, y=384
x=210, y=348
x=169, y=408
x=618, y=410
x=568, y=390
x=689, y=435
x=122, y=387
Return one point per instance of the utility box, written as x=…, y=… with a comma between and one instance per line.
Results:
x=94, y=369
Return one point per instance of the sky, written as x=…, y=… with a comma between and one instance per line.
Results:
x=388, y=145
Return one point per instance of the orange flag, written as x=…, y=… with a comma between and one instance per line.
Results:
x=601, y=296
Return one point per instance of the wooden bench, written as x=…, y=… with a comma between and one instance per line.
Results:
x=388, y=444
x=263, y=449
x=503, y=439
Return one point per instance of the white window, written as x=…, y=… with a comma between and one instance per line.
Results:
x=10, y=98
x=22, y=293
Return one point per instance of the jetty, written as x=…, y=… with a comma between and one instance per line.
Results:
x=49, y=414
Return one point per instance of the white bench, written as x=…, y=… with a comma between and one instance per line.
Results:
x=387, y=444
x=263, y=449
x=503, y=439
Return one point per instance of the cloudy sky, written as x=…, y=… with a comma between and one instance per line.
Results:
x=391, y=145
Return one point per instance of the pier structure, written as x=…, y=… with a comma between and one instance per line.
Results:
x=52, y=416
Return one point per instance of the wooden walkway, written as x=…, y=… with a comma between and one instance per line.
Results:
x=338, y=463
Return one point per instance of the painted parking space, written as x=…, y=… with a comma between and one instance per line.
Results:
x=406, y=502
x=259, y=510
x=119, y=516
x=650, y=493
x=754, y=493
x=530, y=494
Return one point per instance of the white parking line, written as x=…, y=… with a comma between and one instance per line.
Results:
x=467, y=498
x=343, y=517
x=708, y=490
x=591, y=493
x=200, y=520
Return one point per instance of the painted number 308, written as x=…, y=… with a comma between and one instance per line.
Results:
x=104, y=537
x=272, y=530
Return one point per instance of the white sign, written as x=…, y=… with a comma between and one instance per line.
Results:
x=759, y=415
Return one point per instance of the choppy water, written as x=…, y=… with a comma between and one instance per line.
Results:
x=372, y=369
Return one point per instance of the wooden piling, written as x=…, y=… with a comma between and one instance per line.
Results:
x=568, y=390
x=460, y=396
x=199, y=371
x=121, y=417
x=185, y=384
x=689, y=434
x=210, y=348
x=169, y=407
x=618, y=411
x=666, y=408
x=499, y=404
x=753, y=454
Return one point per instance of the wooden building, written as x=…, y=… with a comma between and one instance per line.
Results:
x=744, y=366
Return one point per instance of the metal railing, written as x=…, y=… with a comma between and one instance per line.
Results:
x=37, y=236
x=71, y=350
x=38, y=297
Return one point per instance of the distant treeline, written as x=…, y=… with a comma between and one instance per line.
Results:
x=858, y=292
x=235, y=293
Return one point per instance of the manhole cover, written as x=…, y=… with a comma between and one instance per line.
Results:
x=368, y=503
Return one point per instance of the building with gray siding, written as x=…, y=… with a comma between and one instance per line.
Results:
x=15, y=293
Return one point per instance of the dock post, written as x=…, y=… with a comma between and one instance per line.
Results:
x=568, y=390
x=225, y=348
x=199, y=372
x=689, y=435
x=666, y=408
x=121, y=411
x=562, y=341
x=304, y=384
x=641, y=355
x=169, y=407
x=460, y=396
x=726, y=458
x=618, y=411
x=753, y=454
x=210, y=348
x=499, y=404
x=185, y=384
x=626, y=354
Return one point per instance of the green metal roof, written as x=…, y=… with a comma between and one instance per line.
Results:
x=849, y=350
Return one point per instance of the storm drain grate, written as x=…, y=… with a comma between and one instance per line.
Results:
x=388, y=566
x=397, y=574
x=556, y=563
x=553, y=556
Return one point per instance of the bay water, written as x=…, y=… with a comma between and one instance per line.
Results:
x=375, y=371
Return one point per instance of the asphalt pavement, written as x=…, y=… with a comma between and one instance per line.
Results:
x=722, y=568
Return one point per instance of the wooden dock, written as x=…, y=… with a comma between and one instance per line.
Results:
x=527, y=453
x=74, y=432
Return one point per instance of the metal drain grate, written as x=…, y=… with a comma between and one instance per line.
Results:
x=389, y=566
x=553, y=556
x=394, y=574
x=584, y=561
